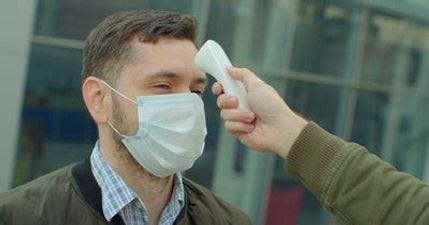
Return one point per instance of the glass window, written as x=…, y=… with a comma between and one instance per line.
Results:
x=382, y=49
x=321, y=38
x=369, y=120
x=73, y=19
x=394, y=129
x=315, y=101
x=56, y=129
x=288, y=200
x=411, y=139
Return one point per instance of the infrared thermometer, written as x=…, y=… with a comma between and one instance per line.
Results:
x=211, y=58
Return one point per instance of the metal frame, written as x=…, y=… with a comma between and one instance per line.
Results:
x=14, y=51
x=58, y=42
x=203, y=19
x=393, y=115
x=412, y=11
x=348, y=101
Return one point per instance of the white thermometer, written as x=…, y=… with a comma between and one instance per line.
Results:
x=211, y=58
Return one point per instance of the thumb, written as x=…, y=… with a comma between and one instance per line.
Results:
x=244, y=75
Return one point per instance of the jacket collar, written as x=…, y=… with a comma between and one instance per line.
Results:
x=90, y=190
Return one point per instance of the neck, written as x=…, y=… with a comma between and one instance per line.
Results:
x=153, y=191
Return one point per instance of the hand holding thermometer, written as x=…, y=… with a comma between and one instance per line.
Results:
x=211, y=58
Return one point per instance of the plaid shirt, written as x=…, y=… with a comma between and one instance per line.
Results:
x=117, y=197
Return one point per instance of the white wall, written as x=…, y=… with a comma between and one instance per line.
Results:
x=16, y=22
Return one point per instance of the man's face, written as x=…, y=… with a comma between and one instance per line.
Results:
x=163, y=68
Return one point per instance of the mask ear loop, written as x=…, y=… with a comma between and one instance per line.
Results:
x=119, y=93
x=123, y=96
x=116, y=131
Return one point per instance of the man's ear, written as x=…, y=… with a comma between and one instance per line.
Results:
x=94, y=95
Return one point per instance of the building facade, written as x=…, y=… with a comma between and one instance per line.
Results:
x=359, y=68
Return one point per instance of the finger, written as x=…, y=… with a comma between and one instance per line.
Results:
x=217, y=88
x=238, y=127
x=247, y=77
x=239, y=115
x=227, y=101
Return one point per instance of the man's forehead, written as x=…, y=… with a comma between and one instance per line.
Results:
x=166, y=59
x=178, y=51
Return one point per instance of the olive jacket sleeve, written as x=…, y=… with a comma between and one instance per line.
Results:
x=355, y=185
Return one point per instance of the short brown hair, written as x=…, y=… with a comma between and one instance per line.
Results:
x=107, y=47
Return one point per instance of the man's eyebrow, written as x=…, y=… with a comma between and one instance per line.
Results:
x=163, y=74
x=174, y=76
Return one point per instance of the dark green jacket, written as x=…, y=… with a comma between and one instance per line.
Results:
x=71, y=196
x=356, y=185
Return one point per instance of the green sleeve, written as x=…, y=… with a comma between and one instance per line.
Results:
x=357, y=186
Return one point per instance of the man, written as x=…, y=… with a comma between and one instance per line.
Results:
x=355, y=185
x=143, y=90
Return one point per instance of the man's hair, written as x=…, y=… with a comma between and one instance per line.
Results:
x=108, y=46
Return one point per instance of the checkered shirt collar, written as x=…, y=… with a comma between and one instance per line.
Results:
x=116, y=194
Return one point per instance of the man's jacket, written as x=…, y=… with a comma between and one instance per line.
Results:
x=71, y=196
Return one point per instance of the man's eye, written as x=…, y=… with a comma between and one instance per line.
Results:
x=163, y=86
x=198, y=92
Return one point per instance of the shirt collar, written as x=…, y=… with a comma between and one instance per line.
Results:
x=115, y=192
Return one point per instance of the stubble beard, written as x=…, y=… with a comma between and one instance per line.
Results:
x=119, y=122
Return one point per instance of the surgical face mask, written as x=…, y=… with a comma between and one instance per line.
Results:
x=171, y=132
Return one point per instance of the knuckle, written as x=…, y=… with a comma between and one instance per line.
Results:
x=219, y=101
x=213, y=89
x=246, y=71
x=228, y=125
x=222, y=114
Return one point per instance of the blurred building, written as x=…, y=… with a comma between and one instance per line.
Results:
x=360, y=68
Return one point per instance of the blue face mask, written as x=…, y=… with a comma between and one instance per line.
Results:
x=171, y=132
